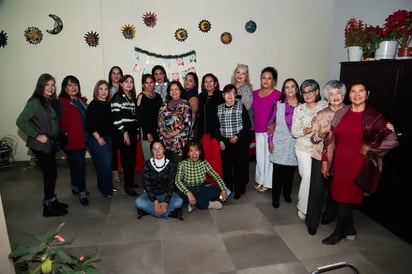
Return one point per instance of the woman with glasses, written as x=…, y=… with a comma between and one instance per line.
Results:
x=302, y=131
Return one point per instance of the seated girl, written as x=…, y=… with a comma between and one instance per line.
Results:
x=190, y=180
x=159, y=199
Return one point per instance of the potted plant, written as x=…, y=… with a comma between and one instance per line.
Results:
x=374, y=36
x=398, y=27
x=50, y=257
x=355, y=38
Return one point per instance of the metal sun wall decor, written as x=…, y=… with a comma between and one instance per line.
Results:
x=204, y=25
x=3, y=39
x=181, y=34
x=149, y=19
x=33, y=35
x=250, y=26
x=92, y=38
x=129, y=31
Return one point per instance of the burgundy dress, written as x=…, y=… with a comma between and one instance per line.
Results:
x=348, y=160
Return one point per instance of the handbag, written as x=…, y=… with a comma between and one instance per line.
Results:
x=369, y=176
x=61, y=140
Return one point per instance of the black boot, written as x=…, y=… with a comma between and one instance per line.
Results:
x=53, y=210
x=58, y=204
x=177, y=213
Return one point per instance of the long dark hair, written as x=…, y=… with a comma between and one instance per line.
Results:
x=124, y=78
x=110, y=74
x=39, y=91
x=65, y=82
x=214, y=79
x=283, y=94
x=195, y=78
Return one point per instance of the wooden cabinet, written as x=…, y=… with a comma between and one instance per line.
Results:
x=390, y=82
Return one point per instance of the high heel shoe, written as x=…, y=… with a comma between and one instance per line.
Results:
x=333, y=239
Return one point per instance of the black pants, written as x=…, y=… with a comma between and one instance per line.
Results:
x=47, y=162
x=235, y=163
x=128, y=157
x=282, y=181
x=319, y=197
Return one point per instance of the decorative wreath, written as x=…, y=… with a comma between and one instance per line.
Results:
x=3, y=39
x=250, y=26
x=92, y=38
x=205, y=25
x=33, y=35
x=181, y=34
x=226, y=38
x=129, y=31
x=149, y=19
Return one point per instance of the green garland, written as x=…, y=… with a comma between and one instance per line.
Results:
x=165, y=56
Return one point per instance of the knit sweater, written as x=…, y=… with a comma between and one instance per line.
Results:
x=158, y=183
x=190, y=173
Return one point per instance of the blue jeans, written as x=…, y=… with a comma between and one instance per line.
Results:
x=144, y=203
x=77, y=163
x=203, y=193
x=102, y=159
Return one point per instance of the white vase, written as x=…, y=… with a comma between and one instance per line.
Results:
x=386, y=50
x=355, y=54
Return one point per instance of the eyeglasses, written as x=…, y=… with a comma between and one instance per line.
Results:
x=309, y=92
x=157, y=149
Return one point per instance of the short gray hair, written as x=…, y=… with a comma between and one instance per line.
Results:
x=333, y=84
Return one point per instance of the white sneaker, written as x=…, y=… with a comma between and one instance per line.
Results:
x=190, y=208
x=301, y=215
x=215, y=205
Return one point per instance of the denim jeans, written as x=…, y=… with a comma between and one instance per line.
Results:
x=144, y=203
x=102, y=158
x=77, y=163
x=203, y=193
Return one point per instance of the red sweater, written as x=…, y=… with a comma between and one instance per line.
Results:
x=71, y=122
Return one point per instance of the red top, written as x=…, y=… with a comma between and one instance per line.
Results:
x=73, y=123
x=348, y=159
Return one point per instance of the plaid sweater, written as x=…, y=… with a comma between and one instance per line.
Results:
x=191, y=173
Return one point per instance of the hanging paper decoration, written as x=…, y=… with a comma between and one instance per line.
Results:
x=129, y=31
x=192, y=52
x=192, y=59
x=191, y=69
x=205, y=26
x=92, y=38
x=226, y=38
x=33, y=35
x=250, y=26
x=175, y=76
x=180, y=61
x=181, y=34
x=3, y=39
x=149, y=19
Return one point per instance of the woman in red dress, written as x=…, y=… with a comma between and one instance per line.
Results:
x=356, y=130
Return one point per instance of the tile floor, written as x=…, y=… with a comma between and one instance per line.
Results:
x=246, y=236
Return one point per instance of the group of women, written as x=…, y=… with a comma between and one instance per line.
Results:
x=293, y=128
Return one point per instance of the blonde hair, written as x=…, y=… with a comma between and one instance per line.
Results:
x=241, y=66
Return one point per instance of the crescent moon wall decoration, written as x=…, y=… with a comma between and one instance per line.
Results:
x=58, y=25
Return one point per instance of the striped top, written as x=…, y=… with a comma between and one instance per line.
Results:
x=124, y=111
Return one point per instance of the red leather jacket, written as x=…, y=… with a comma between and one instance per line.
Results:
x=71, y=121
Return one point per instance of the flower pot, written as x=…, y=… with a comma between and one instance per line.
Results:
x=386, y=50
x=405, y=52
x=355, y=54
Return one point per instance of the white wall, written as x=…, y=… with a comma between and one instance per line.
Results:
x=301, y=38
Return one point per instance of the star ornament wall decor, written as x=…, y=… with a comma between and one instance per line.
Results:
x=3, y=39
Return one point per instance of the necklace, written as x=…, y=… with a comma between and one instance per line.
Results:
x=150, y=95
x=161, y=166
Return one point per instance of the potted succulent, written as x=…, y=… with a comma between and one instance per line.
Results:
x=355, y=38
x=50, y=257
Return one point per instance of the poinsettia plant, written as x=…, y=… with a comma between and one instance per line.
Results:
x=50, y=257
x=398, y=26
x=355, y=33
x=374, y=35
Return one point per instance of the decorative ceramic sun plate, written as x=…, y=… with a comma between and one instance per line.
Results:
x=33, y=35
x=3, y=39
x=226, y=38
x=205, y=25
x=92, y=38
x=250, y=26
x=129, y=31
x=181, y=34
x=149, y=19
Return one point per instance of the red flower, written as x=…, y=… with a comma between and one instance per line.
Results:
x=398, y=26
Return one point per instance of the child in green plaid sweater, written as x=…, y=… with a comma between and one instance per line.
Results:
x=190, y=180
